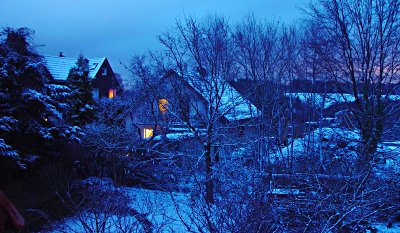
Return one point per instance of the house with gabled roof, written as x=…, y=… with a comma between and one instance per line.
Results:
x=103, y=80
x=189, y=99
x=231, y=104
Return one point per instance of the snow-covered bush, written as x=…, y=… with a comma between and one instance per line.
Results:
x=98, y=206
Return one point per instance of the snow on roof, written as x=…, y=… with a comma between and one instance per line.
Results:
x=230, y=103
x=175, y=136
x=329, y=99
x=59, y=67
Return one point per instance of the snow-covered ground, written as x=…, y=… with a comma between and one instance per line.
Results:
x=166, y=209
x=342, y=141
x=327, y=136
x=382, y=228
x=160, y=208
x=170, y=211
x=391, y=152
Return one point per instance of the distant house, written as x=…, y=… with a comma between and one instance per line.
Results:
x=104, y=81
x=182, y=99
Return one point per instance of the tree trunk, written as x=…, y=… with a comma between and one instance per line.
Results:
x=209, y=182
x=371, y=133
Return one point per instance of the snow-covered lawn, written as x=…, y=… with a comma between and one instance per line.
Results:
x=165, y=208
x=171, y=211
x=160, y=208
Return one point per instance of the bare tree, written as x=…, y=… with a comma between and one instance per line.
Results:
x=200, y=53
x=256, y=57
x=359, y=41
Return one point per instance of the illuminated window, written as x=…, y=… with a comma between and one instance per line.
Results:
x=163, y=105
x=148, y=132
x=112, y=93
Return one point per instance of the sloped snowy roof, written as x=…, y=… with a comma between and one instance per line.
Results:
x=59, y=67
x=329, y=99
x=230, y=103
x=175, y=136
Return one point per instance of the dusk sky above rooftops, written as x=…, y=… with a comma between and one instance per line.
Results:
x=119, y=29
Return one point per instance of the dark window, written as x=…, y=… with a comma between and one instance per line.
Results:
x=104, y=71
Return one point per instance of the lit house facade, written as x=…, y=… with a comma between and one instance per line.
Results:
x=103, y=80
x=184, y=102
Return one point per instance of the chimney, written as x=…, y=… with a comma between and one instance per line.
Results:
x=60, y=54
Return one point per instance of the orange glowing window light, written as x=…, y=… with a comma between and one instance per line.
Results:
x=112, y=93
x=163, y=105
x=148, y=132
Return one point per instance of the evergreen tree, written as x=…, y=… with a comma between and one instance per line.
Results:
x=81, y=102
x=28, y=114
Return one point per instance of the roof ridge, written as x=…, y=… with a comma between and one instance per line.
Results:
x=65, y=57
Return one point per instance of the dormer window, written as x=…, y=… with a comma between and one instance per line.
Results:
x=104, y=71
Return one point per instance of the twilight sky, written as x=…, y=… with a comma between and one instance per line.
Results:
x=118, y=29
